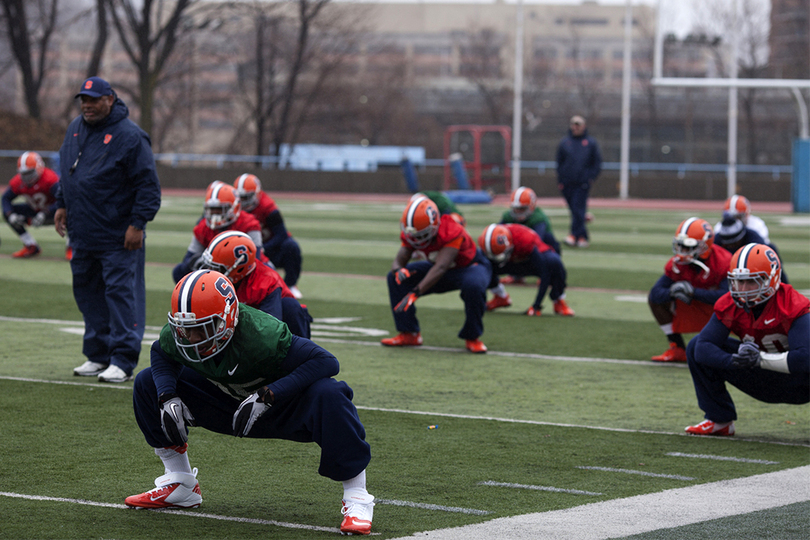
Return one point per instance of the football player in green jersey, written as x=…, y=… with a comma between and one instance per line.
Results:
x=235, y=370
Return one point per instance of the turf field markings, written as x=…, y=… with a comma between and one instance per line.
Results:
x=636, y=298
x=453, y=415
x=425, y=506
x=176, y=512
x=723, y=458
x=619, y=518
x=534, y=356
x=641, y=473
x=538, y=488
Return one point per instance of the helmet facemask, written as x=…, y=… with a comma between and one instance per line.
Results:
x=521, y=212
x=219, y=214
x=213, y=329
x=420, y=239
x=749, y=290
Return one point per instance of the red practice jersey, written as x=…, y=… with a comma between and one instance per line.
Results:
x=257, y=285
x=525, y=240
x=39, y=195
x=717, y=262
x=450, y=234
x=770, y=329
x=244, y=223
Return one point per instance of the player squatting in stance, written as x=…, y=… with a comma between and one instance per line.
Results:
x=278, y=244
x=454, y=263
x=517, y=250
x=37, y=185
x=770, y=360
x=235, y=370
x=694, y=278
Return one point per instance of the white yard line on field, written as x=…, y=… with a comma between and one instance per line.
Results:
x=618, y=518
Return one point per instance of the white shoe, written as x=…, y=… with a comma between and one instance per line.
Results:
x=89, y=369
x=114, y=374
x=358, y=511
x=296, y=293
x=173, y=490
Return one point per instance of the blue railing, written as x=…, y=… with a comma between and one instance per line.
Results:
x=266, y=162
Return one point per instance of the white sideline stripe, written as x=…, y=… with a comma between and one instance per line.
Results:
x=619, y=518
x=173, y=511
x=642, y=473
x=426, y=506
x=538, y=488
x=579, y=426
x=128, y=386
x=723, y=458
x=676, y=365
x=645, y=363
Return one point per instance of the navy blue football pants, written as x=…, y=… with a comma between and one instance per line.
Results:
x=286, y=255
x=762, y=384
x=110, y=291
x=323, y=413
x=547, y=266
x=471, y=280
x=576, y=195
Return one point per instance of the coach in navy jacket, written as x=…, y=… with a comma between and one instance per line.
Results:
x=579, y=163
x=108, y=191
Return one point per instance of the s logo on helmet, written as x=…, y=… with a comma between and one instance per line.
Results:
x=431, y=213
x=240, y=255
x=224, y=287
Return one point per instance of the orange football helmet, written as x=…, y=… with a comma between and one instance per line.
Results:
x=420, y=222
x=248, y=187
x=523, y=203
x=496, y=243
x=222, y=206
x=693, y=239
x=203, y=315
x=232, y=253
x=30, y=166
x=754, y=275
x=737, y=206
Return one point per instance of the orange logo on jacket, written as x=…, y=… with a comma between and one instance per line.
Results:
x=107, y=138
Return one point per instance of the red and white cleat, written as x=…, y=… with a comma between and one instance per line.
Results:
x=499, y=302
x=174, y=490
x=475, y=346
x=358, y=511
x=707, y=427
x=561, y=308
x=673, y=354
x=403, y=339
x=27, y=252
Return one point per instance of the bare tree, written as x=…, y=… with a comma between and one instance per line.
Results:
x=481, y=63
x=29, y=33
x=100, y=43
x=296, y=52
x=148, y=36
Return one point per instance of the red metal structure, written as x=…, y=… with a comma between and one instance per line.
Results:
x=492, y=165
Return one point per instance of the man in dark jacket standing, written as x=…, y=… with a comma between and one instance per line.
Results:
x=579, y=162
x=108, y=191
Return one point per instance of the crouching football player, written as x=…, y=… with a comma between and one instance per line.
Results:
x=770, y=361
x=235, y=370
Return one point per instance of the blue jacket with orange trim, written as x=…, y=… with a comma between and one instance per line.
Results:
x=108, y=180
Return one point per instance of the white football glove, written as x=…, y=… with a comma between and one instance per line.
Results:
x=15, y=219
x=38, y=219
x=248, y=412
x=174, y=416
